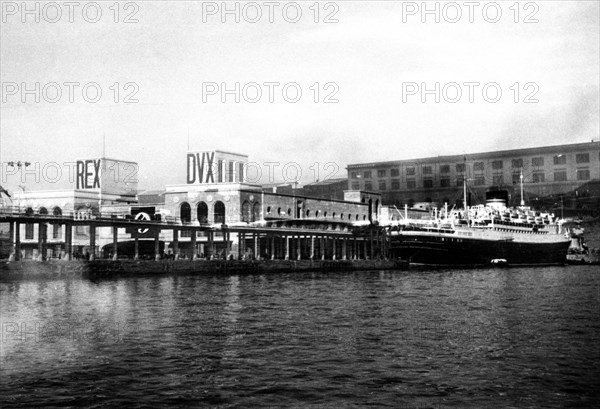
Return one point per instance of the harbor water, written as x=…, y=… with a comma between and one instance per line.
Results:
x=497, y=338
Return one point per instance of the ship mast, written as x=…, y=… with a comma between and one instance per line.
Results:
x=465, y=190
x=521, y=177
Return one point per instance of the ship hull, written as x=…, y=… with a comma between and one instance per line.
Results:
x=444, y=250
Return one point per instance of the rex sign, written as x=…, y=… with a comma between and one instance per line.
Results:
x=107, y=175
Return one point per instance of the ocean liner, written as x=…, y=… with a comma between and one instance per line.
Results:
x=490, y=234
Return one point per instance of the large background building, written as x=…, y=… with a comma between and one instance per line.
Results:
x=548, y=172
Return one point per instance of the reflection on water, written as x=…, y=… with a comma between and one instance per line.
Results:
x=512, y=337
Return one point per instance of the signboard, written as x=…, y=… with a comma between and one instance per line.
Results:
x=109, y=176
x=210, y=167
x=146, y=213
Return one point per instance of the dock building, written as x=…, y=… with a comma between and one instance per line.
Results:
x=547, y=171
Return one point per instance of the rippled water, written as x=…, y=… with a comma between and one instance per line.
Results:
x=412, y=339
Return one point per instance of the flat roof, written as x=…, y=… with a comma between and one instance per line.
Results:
x=483, y=155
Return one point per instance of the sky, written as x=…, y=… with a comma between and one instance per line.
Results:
x=366, y=72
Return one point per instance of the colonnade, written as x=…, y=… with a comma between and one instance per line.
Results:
x=265, y=244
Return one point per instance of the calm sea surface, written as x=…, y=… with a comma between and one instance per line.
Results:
x=523, y=338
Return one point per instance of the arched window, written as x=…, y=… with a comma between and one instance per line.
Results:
x=29, y=211
x=202, y=212
x=333, y=215
x=279, y=211
x=246, y=212
x=317, y=213
x=342, y=216
x=185, y=212
x=256, y=212
x=289, y=212
x=219, y=212
x=356, y=217
x=268, y=209
x=307, y=212
x=57, y=211
x=43, y=210
x=325, y=214
x=349, y=216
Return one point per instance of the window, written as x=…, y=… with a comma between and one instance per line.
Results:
x=428, y=183
x=583, y=174
x=560, y=159
x=353, y=175
x=367, y=174
x=355, y=186
x=445, y=169
x=560, y=176
x=538, y=177
x=516, y=178
x=29, y=231
x=445, y=182
x=241, y=172
x=411, y=184
x=186, y=233
x=459, y=181
x=460, y=167
x=517, y=163
x=427, y=170
x=410, y=171
x=219, y=212
x=381, y=173
x=582, y=158
x=56, y=231
x=395, y=184
x=479, y=181
x=478, y=166
x=382, y=185
x=537, y=162
x=498, y=180
x=368, y=186
x=497, y=164
x=395, y=172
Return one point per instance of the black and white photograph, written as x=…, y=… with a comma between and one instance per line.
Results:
x=300, y=204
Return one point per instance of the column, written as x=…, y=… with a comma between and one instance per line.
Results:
x=365, y=250
x=287, y=247
x=176, y=244
x=344, y=249
x=11, y=234
x=298, y=247
x=136, y=248
x=272, y=247
x=211, y=245
x=241, y=245
x=323, y=252
x=41, y=246
x=226, y=240
x=256, y=249
x=68, y=241
x=115, y=231
x=92, y=242
x=157, y=244
x=372, y=252
x=17, y=241
x=194, y=245
x=312, y=247
x=333, y=247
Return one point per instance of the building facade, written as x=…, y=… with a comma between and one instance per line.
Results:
x=547, y=171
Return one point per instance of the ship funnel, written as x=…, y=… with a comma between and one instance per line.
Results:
x=496, y=199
